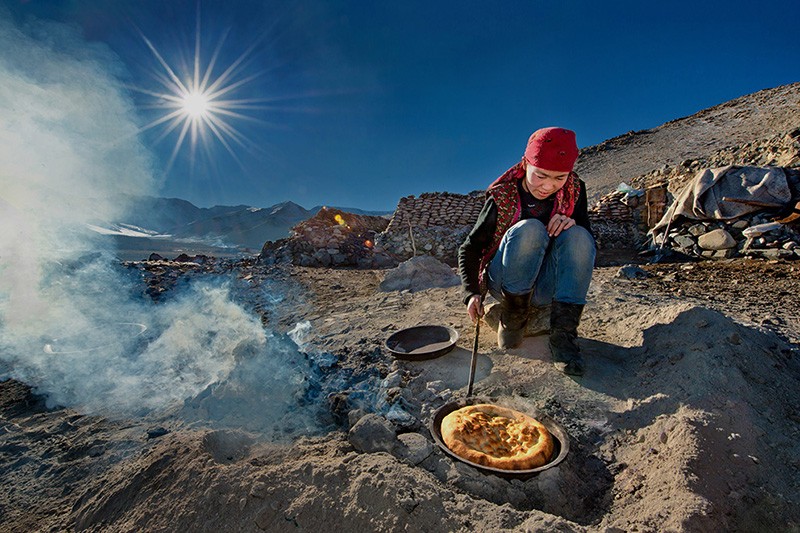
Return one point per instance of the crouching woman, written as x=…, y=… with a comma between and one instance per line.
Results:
x=532, y=245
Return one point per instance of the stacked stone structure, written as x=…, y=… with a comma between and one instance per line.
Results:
x=753, y=236
x=432, y=224
x=616, y=220
x=332, y=238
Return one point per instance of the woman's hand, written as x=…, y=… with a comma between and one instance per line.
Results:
x=475, y=307
x=558, y=224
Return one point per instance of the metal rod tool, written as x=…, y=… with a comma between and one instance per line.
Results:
x=474, y=361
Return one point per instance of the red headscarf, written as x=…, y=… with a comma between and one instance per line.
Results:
x=565, y=198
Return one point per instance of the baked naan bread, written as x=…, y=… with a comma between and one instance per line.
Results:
x=497, y=437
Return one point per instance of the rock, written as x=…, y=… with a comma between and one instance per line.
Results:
x=400, y=417
x=696, y=230
x=258, y=490
x=323, y=257
x=789, y=245
x=155, y=257
x=96, y=451
x=740, y=224
x=393, y=379
x=373, y=433
x=419, y=273
x=717, y=239
x=154, y=433
x=413, y=449
x=724, y=254
x=435, y=386
x=354, y=416
x=684, y=241
x=631, y=272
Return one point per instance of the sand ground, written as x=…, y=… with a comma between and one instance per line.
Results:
x=686, y=420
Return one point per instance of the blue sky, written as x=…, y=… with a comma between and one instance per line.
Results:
x=358, y=103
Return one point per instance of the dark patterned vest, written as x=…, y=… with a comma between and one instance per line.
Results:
x=506, y=197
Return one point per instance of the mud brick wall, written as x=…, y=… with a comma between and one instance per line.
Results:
x=432, y=224
x=437, y=223
x=617, y=221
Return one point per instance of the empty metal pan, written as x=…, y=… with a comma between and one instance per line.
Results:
x=422, y=342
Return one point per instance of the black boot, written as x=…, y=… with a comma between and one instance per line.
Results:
x=513, y=319
x=564, y=320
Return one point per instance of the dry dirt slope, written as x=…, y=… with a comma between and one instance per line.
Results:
x=746, y=119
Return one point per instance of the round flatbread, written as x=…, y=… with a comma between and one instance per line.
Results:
x=497, y=437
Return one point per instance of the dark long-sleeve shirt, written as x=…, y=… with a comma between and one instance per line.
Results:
x=480, y=238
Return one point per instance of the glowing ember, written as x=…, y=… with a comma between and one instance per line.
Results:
x=368, y=243
x=340, y=220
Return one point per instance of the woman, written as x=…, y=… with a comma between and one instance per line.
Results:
x=532, y=244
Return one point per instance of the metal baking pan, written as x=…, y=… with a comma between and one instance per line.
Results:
x=422, y=342
x=560, y=441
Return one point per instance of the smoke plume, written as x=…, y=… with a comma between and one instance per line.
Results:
x=69, y=325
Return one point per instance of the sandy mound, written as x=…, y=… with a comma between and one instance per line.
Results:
x=685, y=421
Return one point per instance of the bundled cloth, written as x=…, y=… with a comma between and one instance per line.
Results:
x=702, y=198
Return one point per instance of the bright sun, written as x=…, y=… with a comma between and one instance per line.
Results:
x=196, y=105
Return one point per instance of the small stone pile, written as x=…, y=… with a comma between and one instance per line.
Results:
x=419, y=273
x=332, y=238
x=748, y=236
x=432, y=224
x=615, y=220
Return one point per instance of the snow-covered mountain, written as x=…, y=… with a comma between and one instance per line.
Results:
x=152, y=223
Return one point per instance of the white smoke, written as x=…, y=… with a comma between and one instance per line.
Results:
x=68, y=324
x=67, y=145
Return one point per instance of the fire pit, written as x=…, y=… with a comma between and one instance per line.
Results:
x=93, y=339
x=560, y=441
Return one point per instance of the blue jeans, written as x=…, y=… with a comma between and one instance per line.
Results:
x=554, y=268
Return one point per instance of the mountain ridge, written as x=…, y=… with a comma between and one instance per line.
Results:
x=166, y=222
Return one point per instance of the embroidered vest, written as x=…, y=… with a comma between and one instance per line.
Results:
x=509, y=209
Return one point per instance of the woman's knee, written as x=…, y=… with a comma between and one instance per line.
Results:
x=578, y=243
x=528, y=234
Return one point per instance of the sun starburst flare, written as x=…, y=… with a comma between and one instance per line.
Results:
x=199, y=105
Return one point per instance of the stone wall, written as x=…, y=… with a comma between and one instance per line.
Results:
x=617, y=220
x=437, y=223
x=432, y=224
x=753, y=235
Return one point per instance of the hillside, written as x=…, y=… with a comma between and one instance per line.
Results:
x=748, y=119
